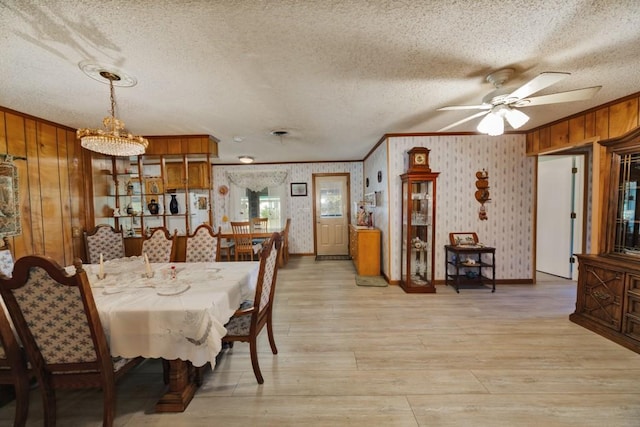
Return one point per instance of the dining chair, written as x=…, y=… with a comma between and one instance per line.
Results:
x=284, y=252
x=105, y=240
x=13, y=366
x=227, y=248
x=252, y=316
x=244, y=247
x=67, y=348
x=203, y=245
x=13, y=369
x=260, y=223
x=160, y=245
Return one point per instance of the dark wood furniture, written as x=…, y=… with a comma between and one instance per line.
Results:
x=608, y=299
x=418, y=224
x=468, y=265
x=249, y=320
x=68, y=348
x=13, y=369
x=608, y=294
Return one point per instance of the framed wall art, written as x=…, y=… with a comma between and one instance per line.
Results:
x=463, y=239
x=298, y=189
x=10, y=224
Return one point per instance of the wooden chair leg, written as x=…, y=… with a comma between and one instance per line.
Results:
x=49, y=404
x=109, y=396
x=272, y=341
x=22, y=402
x=254, y=360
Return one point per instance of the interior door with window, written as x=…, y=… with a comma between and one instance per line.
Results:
x=331, y=203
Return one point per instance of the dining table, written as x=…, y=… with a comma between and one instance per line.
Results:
x=256, y=233
x=174, y=311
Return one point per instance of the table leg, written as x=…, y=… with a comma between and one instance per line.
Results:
x=181, y=389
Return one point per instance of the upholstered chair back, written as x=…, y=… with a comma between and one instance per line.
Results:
x=159, y=247
x=104, y=240
x=203, y=245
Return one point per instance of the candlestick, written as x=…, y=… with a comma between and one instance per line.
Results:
x=101, y=269
x=147, y=266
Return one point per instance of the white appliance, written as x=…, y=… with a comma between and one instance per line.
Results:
x=198, y=207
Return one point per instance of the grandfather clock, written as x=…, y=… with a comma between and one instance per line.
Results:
x=418, y=223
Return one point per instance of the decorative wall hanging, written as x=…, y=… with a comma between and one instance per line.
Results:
x=10, y=224
x=482, y=192
x=223, y=190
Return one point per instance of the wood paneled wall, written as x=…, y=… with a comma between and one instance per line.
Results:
x=604, y=122
x=50, y=166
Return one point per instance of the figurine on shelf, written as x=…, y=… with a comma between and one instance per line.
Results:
x=362, y=218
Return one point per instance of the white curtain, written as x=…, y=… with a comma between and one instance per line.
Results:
x=257, y=180
x=274, y=181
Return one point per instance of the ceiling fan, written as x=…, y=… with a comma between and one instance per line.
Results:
x=503, y=103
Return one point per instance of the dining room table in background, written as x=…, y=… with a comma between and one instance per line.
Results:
x=173, y=311
x=257, y=233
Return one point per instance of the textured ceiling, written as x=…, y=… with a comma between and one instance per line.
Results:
x=336, y=74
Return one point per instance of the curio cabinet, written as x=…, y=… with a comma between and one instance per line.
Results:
x=418, y=223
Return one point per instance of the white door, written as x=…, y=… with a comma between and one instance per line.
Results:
x=331, y=201
x=560, y=214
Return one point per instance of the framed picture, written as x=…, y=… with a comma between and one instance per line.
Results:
x=463, y=239
x=153, y=188
x=298, y=189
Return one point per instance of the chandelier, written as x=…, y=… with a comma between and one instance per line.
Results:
x=113, y=140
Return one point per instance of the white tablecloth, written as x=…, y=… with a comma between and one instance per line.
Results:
x=181, y=318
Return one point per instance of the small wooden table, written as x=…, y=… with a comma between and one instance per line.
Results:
x=469, y=258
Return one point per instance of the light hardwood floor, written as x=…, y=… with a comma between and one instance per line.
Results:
x=366, y=356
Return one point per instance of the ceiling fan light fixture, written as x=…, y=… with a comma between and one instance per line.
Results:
x=246, y=159
x=516, y=118
x=492, y=124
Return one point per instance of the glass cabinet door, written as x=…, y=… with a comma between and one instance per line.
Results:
x=417, y=234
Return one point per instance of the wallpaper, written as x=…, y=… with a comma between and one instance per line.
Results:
x=509, y=227
x=300, y=208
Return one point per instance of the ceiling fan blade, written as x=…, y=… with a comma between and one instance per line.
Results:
x=466, y=107
x=538, y=83
x=554, y=98
x=459, y=122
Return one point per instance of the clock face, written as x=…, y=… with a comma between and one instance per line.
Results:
x=420, y=159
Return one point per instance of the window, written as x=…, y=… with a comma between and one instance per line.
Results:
x=270, y=202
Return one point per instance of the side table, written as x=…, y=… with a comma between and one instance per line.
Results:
x=469, y=259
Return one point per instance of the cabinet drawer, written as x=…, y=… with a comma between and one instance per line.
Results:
x=632, y=326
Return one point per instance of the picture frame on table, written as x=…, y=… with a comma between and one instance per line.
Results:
x=467, y=238
x=298, y=189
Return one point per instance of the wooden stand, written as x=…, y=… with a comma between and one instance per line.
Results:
x=454, y=260
x=182, y=387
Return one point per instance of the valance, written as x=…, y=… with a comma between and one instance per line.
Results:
x=257, y=180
